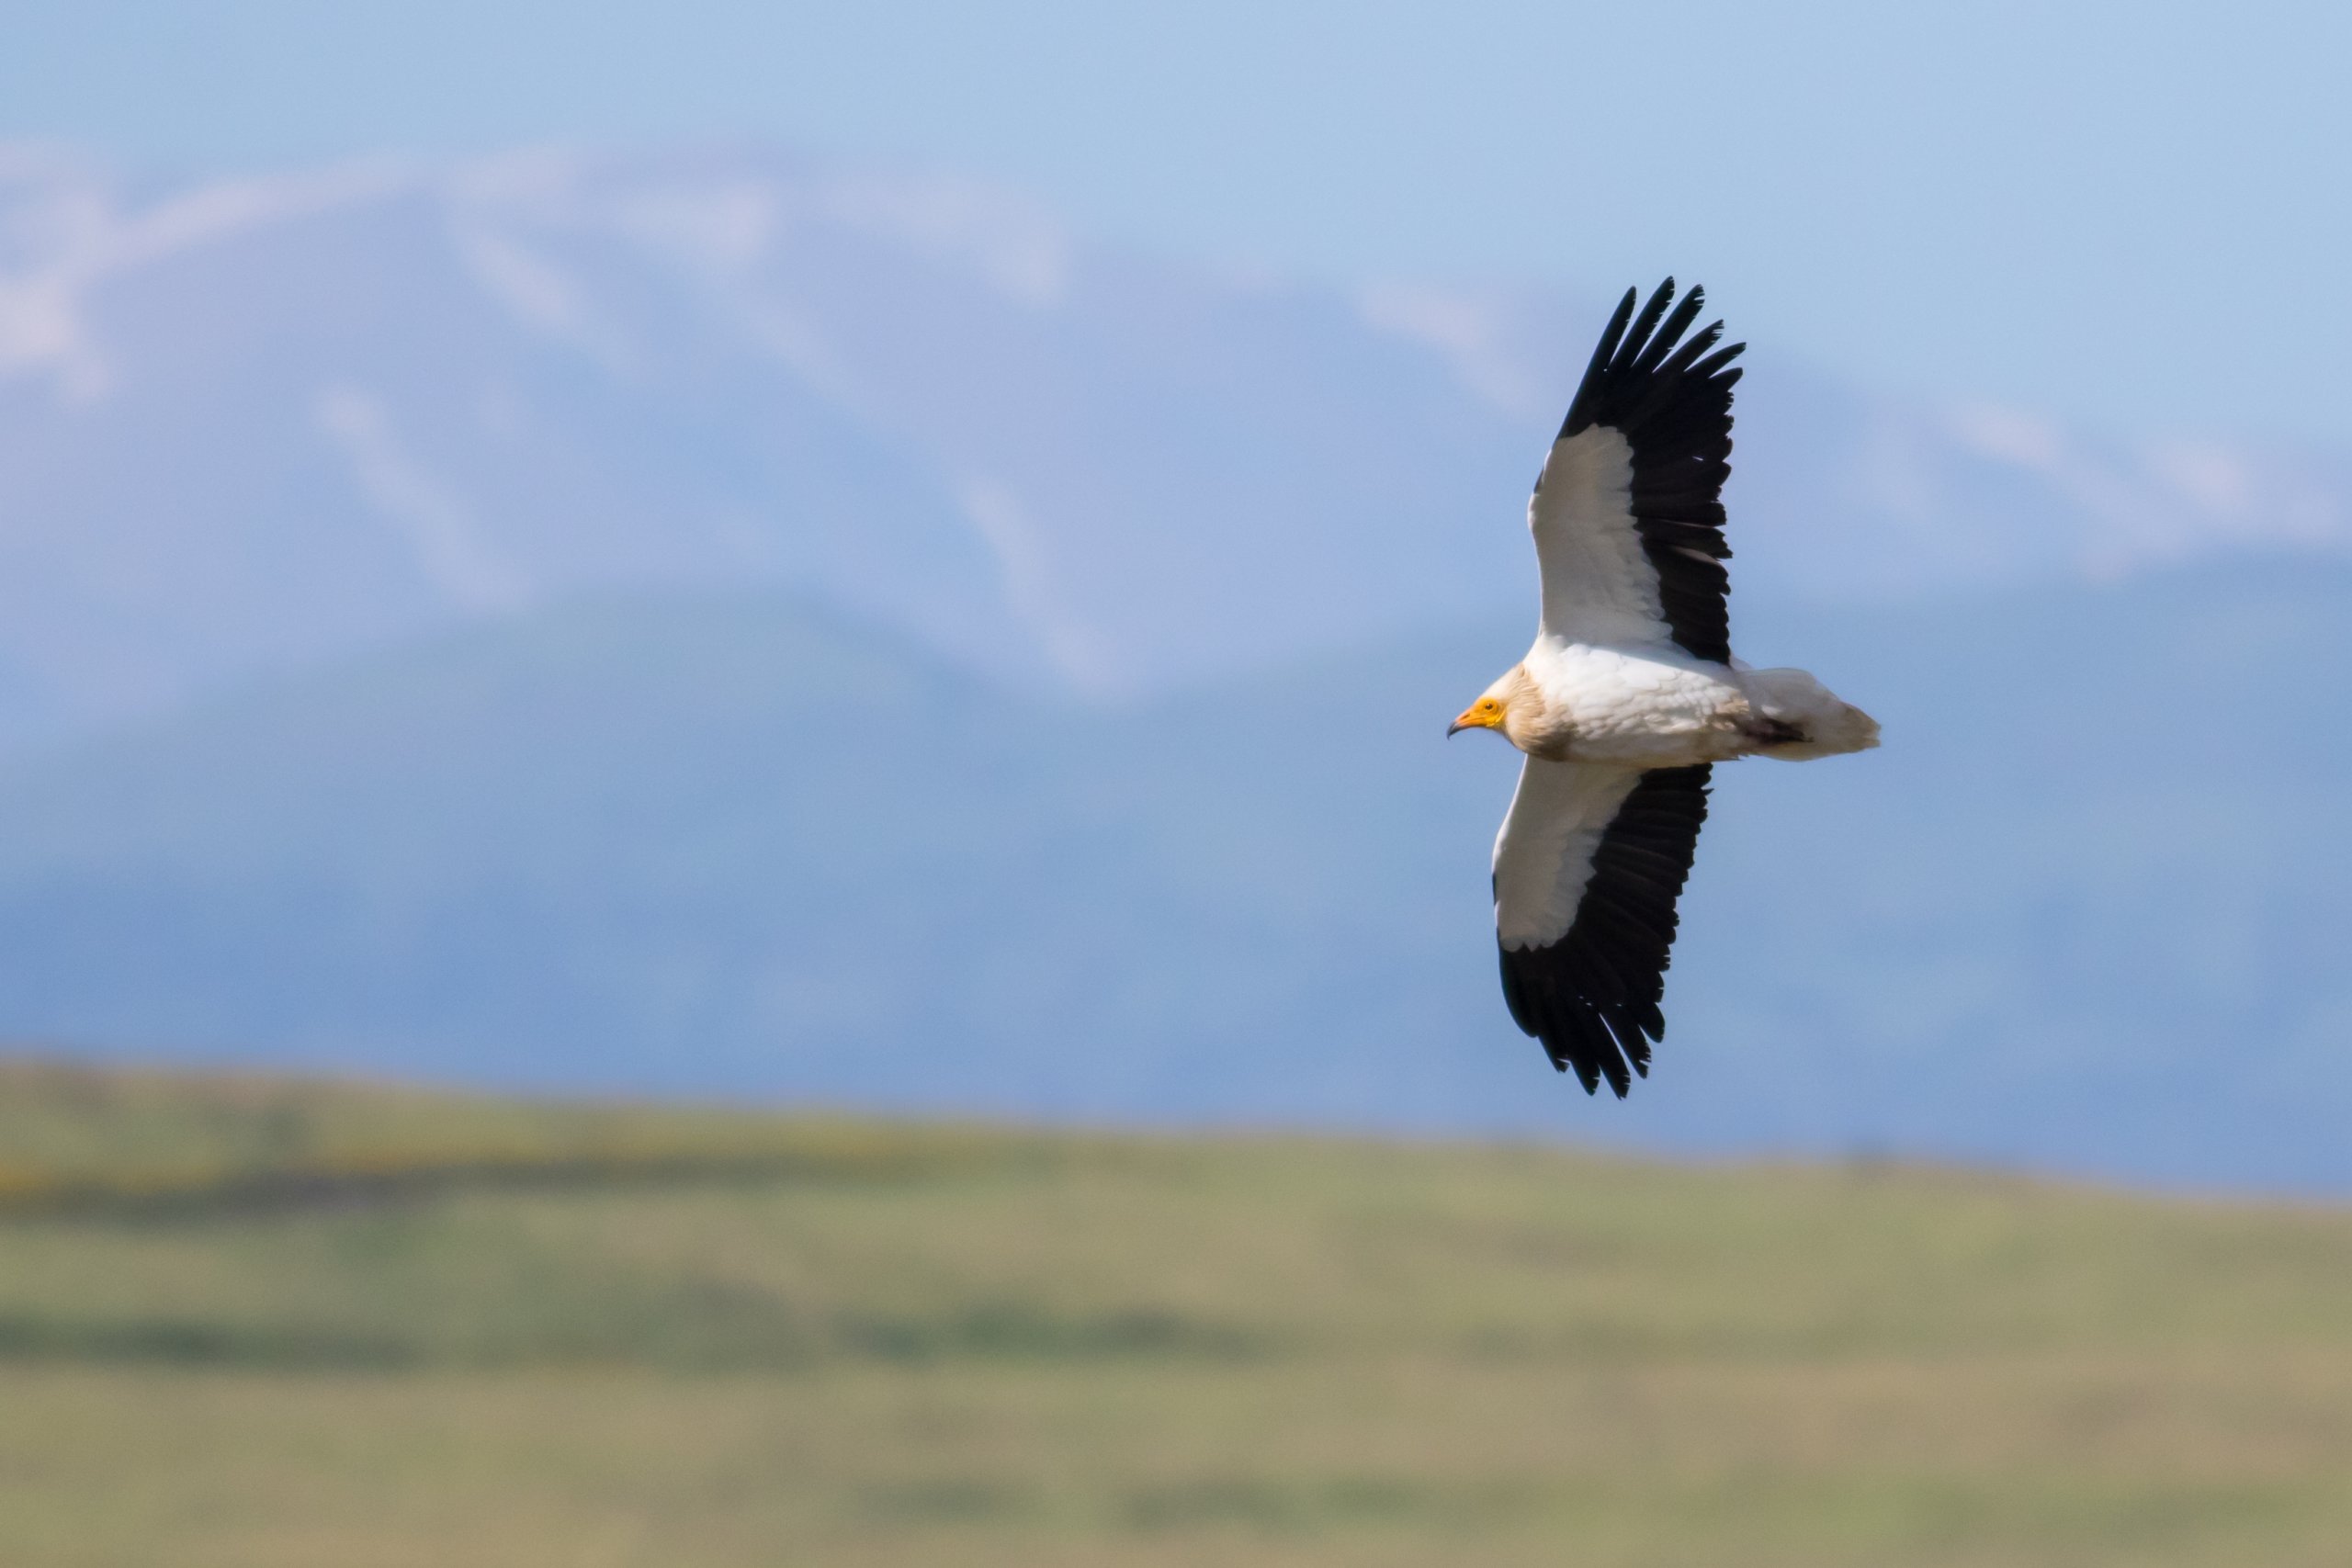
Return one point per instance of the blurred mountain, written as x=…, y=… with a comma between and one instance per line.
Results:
x=2083, y=912
x=727, y=623
x=249, y=425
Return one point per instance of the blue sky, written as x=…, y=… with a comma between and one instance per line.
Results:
x=2136, y=216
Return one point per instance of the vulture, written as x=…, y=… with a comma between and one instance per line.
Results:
x=1631, y=694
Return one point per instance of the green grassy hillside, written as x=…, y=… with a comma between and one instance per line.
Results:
x=260, y=1323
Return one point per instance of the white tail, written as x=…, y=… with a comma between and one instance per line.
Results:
x=1829, y=725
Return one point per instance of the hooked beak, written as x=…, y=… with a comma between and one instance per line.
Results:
x=1469, y=720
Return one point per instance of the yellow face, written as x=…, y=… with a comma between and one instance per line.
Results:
x=1484, y=714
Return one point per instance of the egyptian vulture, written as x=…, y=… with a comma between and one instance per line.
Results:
x=1631, y=694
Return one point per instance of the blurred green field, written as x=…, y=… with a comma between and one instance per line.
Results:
x=253, y=1322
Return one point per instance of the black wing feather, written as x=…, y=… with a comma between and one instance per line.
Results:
x=1674, y=409
x=1593, y=996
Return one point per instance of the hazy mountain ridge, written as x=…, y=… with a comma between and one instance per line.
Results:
x=2080, y=913
x=245, y=424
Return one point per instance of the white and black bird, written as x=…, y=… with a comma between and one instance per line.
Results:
x=1630, y=694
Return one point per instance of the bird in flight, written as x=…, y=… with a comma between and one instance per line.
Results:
x=1631, y=694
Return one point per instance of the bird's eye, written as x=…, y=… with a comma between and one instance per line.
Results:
x=1489, y=706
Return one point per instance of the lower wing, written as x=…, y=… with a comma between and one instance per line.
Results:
x=1588, y=867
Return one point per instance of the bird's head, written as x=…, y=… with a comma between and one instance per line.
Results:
x=1487, y=712
x=1492, y=710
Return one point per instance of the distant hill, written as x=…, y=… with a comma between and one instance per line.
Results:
x=250, y=423
x=2080, y=913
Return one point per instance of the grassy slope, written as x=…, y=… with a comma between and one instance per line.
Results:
x=874, y=1344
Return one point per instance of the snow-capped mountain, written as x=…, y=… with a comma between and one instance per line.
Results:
x=247, y=424
x=533, y=602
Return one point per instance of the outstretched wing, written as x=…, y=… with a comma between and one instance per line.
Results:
x=1588, y=866
x=1628, y=512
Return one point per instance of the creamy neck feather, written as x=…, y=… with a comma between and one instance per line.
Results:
x=1530, y=721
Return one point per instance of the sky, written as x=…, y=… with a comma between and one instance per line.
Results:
x=2131, y=216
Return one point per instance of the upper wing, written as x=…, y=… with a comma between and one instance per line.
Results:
x=1588, y=866
x=1628, y=512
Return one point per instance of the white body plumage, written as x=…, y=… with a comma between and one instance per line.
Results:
x=1654, y=706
